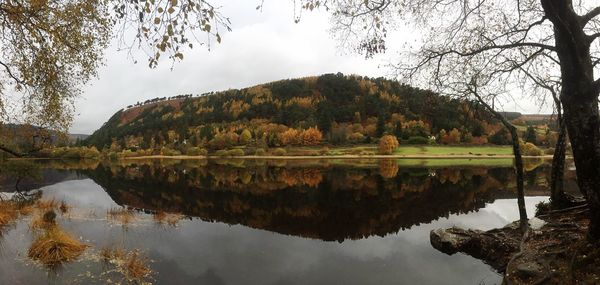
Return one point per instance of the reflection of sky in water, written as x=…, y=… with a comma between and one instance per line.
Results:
x=83, y=193
x=200, y=252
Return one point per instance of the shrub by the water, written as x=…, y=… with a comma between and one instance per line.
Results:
x=529, y=149
x=279, y=152
x=55, y=247
x=387, y=144
x=170, y=152
x=259, y=152
x=235, y=152
x=196, y=151
x=69, y=152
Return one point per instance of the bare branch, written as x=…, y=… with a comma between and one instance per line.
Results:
x=11, y=74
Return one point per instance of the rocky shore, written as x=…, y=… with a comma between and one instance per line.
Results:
x=552, y=249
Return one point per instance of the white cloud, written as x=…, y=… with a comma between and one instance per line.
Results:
x=264, y=46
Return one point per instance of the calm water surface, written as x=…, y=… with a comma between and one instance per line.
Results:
x=272, y=222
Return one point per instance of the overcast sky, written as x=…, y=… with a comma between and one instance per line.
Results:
x=264, y=46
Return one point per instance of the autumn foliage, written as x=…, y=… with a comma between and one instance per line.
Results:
x=387, y=144
x=291, y=137
x=311, y=136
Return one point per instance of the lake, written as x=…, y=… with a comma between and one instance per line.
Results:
x=268, y=221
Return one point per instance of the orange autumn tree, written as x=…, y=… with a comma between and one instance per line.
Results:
x=312, y=136
x=291, y=137
x=387, y=144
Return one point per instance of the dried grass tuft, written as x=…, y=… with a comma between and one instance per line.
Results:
x=45, y=221
x=137, y=267
x=8, y=213
x=121, y=215
x=55, y=246
x=46, y=205
x=133, y=265
x=170, y=219
x=64, y=207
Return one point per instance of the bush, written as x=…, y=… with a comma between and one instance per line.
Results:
x=221, y=152
x=113, y=155
x=235, y=152
x=128, y=153
x=196, y=151
x=70, y=152
x=356, y=137
x=170, y=152
x=501, y=137
x=529, y=149
x=259, y=152
x=387, y=144
x=542, y=208
x=279, y=152
x=417, y=140
x=549, y=151
x=311, y=136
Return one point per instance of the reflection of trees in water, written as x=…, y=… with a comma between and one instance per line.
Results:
x=26, y=175
x=328, y=202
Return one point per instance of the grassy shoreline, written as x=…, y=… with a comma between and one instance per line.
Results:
x=324, y=152
x=332, y=157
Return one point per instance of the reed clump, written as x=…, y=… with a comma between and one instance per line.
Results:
x=55, y=247
x=170, y=219
x=9, y=212
x=45, y=221
x=121, y=215
x=132, y=265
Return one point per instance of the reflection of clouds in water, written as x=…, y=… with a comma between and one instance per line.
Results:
x=243, y=255
x=79, y=193
x=507, y=208
x=495, y=215
x=198, y=251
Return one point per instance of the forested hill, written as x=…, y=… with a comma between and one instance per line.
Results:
x=338, y=108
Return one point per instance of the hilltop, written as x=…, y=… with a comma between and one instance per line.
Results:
x=331, y=109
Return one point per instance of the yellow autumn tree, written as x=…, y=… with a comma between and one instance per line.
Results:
x=245, y=137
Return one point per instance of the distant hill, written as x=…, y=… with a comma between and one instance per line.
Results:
x=75, y=137
x=344, y=109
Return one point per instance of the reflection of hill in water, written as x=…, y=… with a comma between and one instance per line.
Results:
x=329, y=203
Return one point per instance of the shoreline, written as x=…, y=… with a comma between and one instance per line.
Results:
x=290, y=157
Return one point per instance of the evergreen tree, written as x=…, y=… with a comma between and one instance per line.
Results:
x=380, y=125
x=530, y=135
x=398, y=130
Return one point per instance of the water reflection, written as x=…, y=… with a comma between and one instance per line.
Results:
x=271, y=222
x=307, y=198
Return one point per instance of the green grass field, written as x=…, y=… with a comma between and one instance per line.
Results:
x=425, y=150
x=454, y=150
x=445, y=162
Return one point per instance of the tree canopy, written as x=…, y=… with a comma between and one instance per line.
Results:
x=51, y=48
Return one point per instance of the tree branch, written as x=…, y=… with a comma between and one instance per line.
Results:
x=596, y=86
x=505, y=46
x=14, y=77
x=584, y=19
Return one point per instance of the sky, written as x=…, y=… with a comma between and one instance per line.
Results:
x=264, y=46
